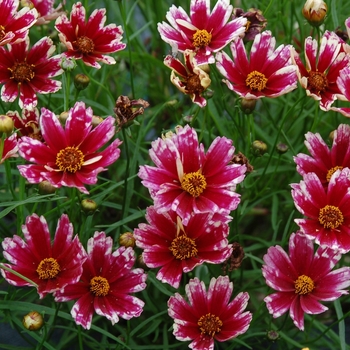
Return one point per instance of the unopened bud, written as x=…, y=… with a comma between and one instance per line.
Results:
x=89, y=206
x=259, y=148
x=127, y=239
x=63, y=118
x=81, y=81
x=45, y=187
x=272, y=335
x=6, y=124
x=33, y=321
x=331, y=135
x=315, y=12
x=248, y=105
x=281, y=148
x=68, y=64
x=96, y=121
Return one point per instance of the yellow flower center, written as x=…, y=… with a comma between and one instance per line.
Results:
x=201, y=38
x=183, y=247
x=48, y=268
x=194, y=183
x=332, y=171
x=256, y=81
x=304, y=285
x=22, y=71
x=317, y=82
x=85, y=45
x=210, y=324
x=330, y=217
x=99, y=286
x=2, y=32
x=70, y=159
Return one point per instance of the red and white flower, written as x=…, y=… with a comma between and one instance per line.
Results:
x=203, y=31
x=15, y=24
x=343, y=83
x=50, y=265
x=190, y=79
x=27, y=124
x=69, y=155
x=322, y=68
x=28, y=71
x=187, y=180
x=90, y=41
x=209, y=315
x=178, y=248
x=327, y=211
x=302, y=279
x=9, y=148
x=106, y=283
x=267, y=73
x=324, y=161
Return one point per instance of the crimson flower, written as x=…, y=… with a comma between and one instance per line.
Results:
x=50, y=265
x=9, y=148
x=91, y=40
x=69, y=155
x=268, y=72
x=45, y=9
x=15, y=25
x=190, y=79
x=105, y=285
x=178, y=248
x=324, y=161
x=323, y=66
x=29, y=71
x=343, y=83
x=302, y=278
x=209, y=315
x=188, y=180
x=327, y=210
x=202, y=31
x=28, y=123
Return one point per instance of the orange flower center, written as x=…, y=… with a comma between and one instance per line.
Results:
x=201, y=38
x=70, y=159
x=317, y=82
x=22, y=71
x=183, y=247
x=194, y=183
x=48, y=268
x=256, y=81
x=99, y=286
x=332, y=171
x=210, y=324
x=85, y=45
x=330, y=217
x=304, y=285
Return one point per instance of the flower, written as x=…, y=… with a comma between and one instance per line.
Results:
x=105, y=285
x=302, y=279
x=28, y=71
x=15, y=25
x=190, y=79
x=50, y=266
x=327, y=211
x=10, y=147
x=323, y=66
x=209, y=315
x=324, y=161
x=202, y=31
x=90, y=40
x=268, y=73
x=28, y=123
x=69, y=158
x=187, y=180
x=315, y=11
x=178, y=248
x=343, y=83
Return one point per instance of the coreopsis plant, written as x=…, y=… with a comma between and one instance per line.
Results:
x=27, y=124
x=8, y=147
x=46, y=10
x=302, y=278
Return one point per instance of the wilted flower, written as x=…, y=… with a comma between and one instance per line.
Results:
x=240, y=158
x=315, y=12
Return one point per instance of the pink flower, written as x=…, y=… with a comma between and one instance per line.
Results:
x=202, y=31
x=69, y=155
x=90, y=40
x=324, y=161
x=105, y=285
x=28, y=123
x=50, y=265
x=178, y=248
x=343, y=83
x=15, y=25
x=188, y=180
x=327, y=211
x=302, y=279
x=45, y=9
x=268, y=72
x=28, y=71
x=209, y=315
x=190, y=79
x=322, y=68
x=10, y=147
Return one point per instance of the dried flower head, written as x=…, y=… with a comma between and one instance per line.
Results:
x=236, y=258
x=240, y=158
x=256, y=22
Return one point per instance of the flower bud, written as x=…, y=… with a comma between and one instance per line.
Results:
x=331, y=135
x=248, y=105
x=6, y=124
x=63, y=118
x=127, y=239
x=68, y=64
x=281, y=148
x=272, y=335
x=259, y=148
x=89, y=206
x=96, y=121
x=45, y=187
x=33, y=321
x=315, y=12
x=81, y=81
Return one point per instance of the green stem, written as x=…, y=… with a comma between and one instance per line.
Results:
x=126, y=176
